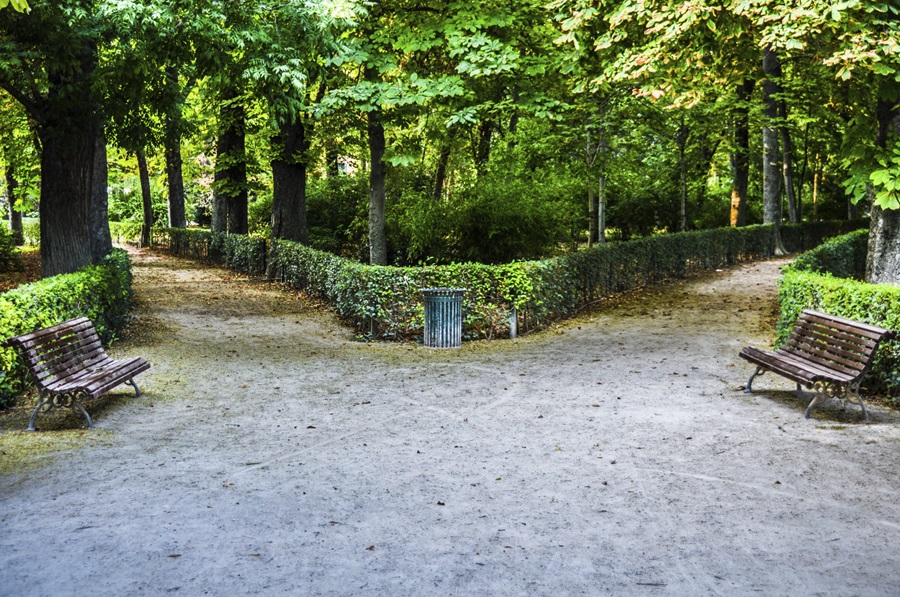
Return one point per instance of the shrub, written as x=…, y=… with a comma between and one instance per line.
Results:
x=9, y=254
x=101, y=292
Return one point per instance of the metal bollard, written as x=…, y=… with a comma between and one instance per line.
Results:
x=443, y=317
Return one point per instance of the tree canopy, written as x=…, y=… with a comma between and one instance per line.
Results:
x=403, y=131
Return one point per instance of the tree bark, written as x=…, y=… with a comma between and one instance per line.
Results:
x=15, y=217
x=740, y=158
x=146, y=198
x=883, y=260
x=172, y=142
x=229, y=211
x=101, y=239
x=67, y=165
x=175, y=178
x=771, y=176
x=681, y=137
x=289, y=182
x=483, y=149
x=440, y=175
x=787, y=165
x=377, y=234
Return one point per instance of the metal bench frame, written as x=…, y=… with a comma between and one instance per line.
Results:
x=825, y=353
x=69, y=366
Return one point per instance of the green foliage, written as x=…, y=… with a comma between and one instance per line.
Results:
x=388, y=300
x=32, y=232
x=246, y=254
x=822, y=280
x=9, y=255
x=100, y=292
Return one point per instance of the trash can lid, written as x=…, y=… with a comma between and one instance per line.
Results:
x=443, y=291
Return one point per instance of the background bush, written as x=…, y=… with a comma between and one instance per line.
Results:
x=387, y=301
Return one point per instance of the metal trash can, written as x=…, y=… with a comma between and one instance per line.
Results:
x=443, y=317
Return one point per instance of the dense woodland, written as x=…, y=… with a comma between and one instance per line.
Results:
x=405, y=131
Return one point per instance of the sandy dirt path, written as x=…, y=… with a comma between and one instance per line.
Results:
x=272, y=455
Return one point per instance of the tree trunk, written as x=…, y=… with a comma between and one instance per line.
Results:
x=483, y=150
x=67, y=165
x=146, y=198
x=601, y=208
x=15, y=217
x=101, y=239
x=229, y=211
x=289, y=182
x=440, y=175
x=883, y=261
x=681, y=140
x=601, y=191
x=771, y=176
x=172, y=142
x=787, y=165
x=175, y=179
x=377, y=234
x=740, y=158
x=592, y=214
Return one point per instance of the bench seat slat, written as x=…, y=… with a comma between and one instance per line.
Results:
x=817, y=368
x=789, y=368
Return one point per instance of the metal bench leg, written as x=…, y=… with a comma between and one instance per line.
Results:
x=749, y=387
x=854, y=392
x=45, y=402
x=84, y=412
x=137, y=390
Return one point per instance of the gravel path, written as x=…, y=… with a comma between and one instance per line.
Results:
x=272, y=455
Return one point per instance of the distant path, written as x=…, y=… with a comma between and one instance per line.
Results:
x=612, y=454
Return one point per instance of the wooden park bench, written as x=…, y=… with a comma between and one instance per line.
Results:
x=69, y=365
x=825, y=353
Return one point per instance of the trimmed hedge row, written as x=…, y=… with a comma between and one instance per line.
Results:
x=828, y=279
x=387, y=301
x=101, y=292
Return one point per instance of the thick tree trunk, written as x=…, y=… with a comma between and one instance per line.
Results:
x=289, y=182
x=230, y=182
x=67, y=165
x=15, y=217
x=377, y=234
x=740, y=158
x=771, y=176
x=101, y=239
x=146, y=198
x=883, y=261
x=175, y=178
x=172, y=142
x=440, y=175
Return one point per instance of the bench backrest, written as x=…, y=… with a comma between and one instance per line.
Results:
x=57, y=351
x=835, y=342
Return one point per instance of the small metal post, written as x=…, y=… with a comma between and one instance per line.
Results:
x=513, y=323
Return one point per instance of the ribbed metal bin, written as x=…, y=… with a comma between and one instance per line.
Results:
x=443, y=317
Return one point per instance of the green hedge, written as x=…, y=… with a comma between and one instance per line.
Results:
x=246, y=254
x=387, y=301
x=101, y=292
x=828, y=279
